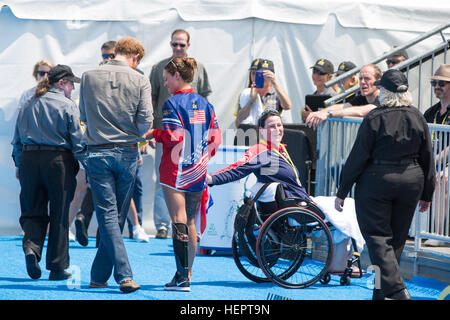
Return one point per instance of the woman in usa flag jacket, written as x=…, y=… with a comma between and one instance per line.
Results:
x=190, y=137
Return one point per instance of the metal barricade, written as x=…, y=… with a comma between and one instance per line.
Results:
x=418, y=69
x=334, y=142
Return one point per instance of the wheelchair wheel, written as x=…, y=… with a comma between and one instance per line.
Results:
x=249, y=267
x=300, y=242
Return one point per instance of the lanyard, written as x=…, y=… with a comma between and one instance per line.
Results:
x=435, y=121
x=284, y=155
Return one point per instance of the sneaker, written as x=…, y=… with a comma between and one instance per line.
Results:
x=128, y=286
x=178, y=283
x=139, y=234
x=161, y=234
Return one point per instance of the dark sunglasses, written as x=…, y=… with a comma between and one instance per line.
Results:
x=42, y=73
x=108, y=56
x=266, y=113
x=320, y=73
x=441, y=83
x=176, y=44
x=392, y=61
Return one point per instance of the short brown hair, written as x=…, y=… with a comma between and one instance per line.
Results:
x=129, y=46
x=184, y=66
x=181, y=31
x=108, y=45
x=41, y=63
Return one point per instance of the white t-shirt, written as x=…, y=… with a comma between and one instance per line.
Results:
x=255, y=110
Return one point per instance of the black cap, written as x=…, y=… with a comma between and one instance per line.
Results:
x=324, y=65
x=254, y=64
x=62, y=71
x=344, y=67
x=401, y=53
x=265, y=64
x=393, y=80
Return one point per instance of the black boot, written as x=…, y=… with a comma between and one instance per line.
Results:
x=399, y=295
x=180, y=281
x=180, y=235
x=378, y=294
x=33, y=269
x=81, y=230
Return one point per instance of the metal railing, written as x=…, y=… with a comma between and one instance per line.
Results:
x=334, y=143
x=418, y=69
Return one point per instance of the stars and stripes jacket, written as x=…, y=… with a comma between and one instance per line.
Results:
x=190, y=137
x=268, y=164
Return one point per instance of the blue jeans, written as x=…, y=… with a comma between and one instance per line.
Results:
x=137, y=197
x=112, y=172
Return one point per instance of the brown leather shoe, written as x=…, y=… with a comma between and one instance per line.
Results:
x=128, y=286
x=96, y=285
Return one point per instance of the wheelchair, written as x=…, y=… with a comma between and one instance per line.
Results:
x=287, y=242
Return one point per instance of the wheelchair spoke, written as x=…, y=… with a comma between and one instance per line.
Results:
x=301, y=254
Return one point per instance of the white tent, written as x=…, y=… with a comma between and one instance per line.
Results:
x=225, y=36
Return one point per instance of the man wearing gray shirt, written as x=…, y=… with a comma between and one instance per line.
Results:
x=115, y=105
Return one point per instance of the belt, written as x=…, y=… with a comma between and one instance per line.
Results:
x=35, y=147
x=114, y=145
x=395, y=162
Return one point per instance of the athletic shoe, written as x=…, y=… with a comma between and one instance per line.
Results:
x=161, y=234
x=71, y=236
x=139, y=234
x=178, y=283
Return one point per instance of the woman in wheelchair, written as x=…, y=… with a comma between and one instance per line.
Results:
x=270, y=162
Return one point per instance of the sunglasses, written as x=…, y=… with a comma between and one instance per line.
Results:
x=441, y=83
x=392, y=61
x=107, y=56
x=42, y=73
x=266, y=113
x=176, y=44
x=320, y=73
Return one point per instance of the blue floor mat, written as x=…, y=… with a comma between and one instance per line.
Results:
x=153, y=264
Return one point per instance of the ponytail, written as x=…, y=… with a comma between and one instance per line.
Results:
x=184, y=66
x=42, y=87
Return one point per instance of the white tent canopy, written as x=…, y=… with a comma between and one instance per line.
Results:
x=225, y=36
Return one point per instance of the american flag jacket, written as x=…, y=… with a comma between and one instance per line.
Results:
x=190, y=137
x=268, y=164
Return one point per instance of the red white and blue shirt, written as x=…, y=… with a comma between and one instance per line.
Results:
x=190, y=137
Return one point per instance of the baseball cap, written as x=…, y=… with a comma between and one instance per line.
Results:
x=402, y=52
x=324, y=65
x=254, y=64
x=265, y=64
x=393, y=80
x=62, y=71
x=442, y=73
x=344, y=67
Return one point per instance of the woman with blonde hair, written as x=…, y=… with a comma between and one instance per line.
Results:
x=40, y=71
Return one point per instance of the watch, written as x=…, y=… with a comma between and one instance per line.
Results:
x=330, y=113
